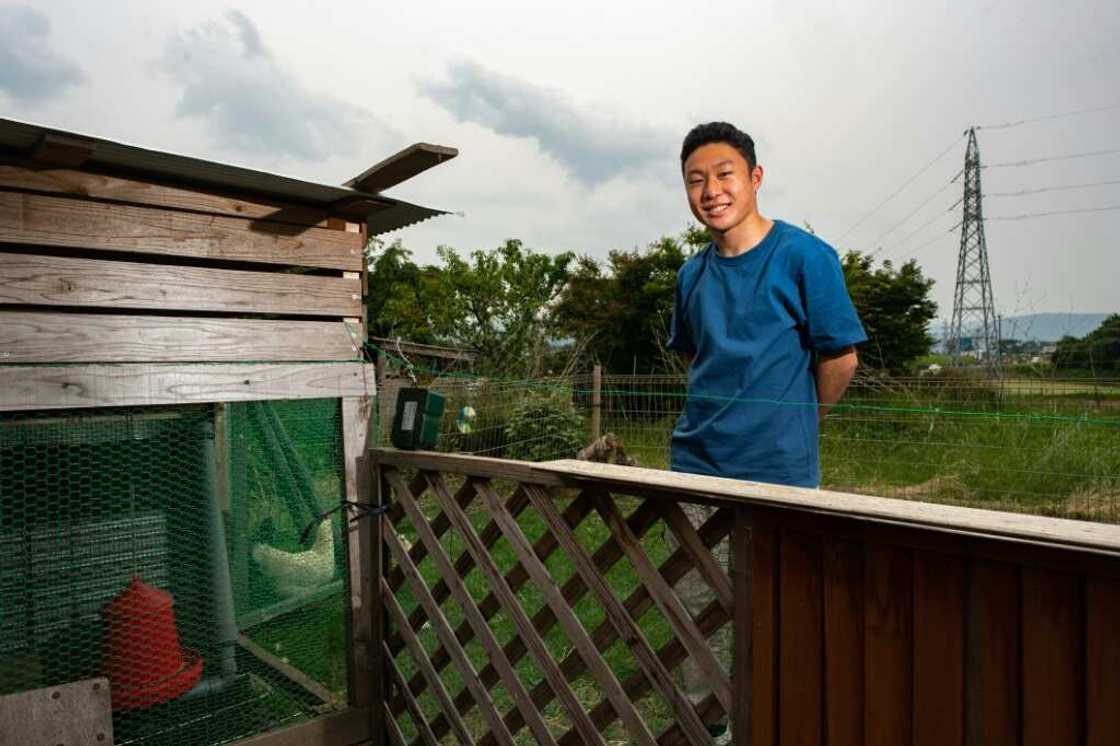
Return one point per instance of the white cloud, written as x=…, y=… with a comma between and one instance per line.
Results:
x=30, y=71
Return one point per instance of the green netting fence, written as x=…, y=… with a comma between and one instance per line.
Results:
x=103, y=512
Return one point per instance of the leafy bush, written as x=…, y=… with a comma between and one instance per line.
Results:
x=544, y=425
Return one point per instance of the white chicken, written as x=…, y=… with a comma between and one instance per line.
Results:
x=298, y=573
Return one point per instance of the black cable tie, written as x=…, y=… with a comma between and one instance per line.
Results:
x=363, y=510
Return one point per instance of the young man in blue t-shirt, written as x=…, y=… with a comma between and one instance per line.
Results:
x=765, y=319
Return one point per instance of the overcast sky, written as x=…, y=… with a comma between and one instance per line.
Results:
x=569, y=115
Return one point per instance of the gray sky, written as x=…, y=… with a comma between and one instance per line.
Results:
x=569, y=115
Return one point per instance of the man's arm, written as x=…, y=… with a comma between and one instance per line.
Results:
x=834, y=373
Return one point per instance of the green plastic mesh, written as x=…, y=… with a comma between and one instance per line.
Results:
x=207, y=504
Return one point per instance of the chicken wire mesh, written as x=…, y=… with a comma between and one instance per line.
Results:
x=181, y=552
x=1039, y=445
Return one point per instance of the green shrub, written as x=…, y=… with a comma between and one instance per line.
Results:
x=544, y=425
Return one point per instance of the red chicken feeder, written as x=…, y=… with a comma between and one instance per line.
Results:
x=143, y=659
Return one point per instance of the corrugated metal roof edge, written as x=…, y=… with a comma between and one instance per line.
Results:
x=23, y=136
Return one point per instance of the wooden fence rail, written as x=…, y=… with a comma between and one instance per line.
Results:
x=545, y=603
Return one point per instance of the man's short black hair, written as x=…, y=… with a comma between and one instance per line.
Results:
x=703, y=134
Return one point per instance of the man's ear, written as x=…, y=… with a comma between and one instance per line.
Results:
x=756, y=177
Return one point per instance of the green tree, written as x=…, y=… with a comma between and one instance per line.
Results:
x=499, y=303
x=895, y=308
x=624, y=307
x=401, y=294
x=1099, y=350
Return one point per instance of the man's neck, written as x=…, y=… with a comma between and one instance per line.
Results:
x=743, y=237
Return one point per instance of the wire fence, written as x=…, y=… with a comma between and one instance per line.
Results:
x=1041, y=445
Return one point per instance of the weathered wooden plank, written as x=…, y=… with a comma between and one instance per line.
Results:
x=420, y=658
x=625, y=625
x=740, y=715
x=939, y=649
x=764, y=629
x=348, y=726
x=142, y=384
x=59, y=221
x=703, y=559
x=1053, y=659
x=84, y=184
x=801, y=653
x=474, y=466
x=963, y=522
x=888, y=645
x=993, y=674
x=466, y=603
x=510, y=603
x=101, y=338
x=842, y=565
x=40, y=280
x=577, y=635
x=666, y=599
x=1102, y=658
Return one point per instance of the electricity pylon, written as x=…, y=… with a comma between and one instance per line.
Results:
x=974, y=313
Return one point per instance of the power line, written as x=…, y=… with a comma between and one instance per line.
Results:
x=1047, y=117
x=1063, y=188
x=1028, y=215
x=909, y=215
x=928, y=223
x=1032, y=161
x=899, y=190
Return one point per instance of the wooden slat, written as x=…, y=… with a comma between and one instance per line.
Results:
x=993, y=674
x=349, y=726
x=842, y=576
x=888, y=645
x=420, y=658
x=667, y=601
x=83, y=184
x=474, y=466
x=1053, y=659
x=101, y=338
x=39, y=280
x=418, y=718
x=1102, y=658
x=625, y=625
x=939, y=649
x=510, y=603
x=462, y=596
x=142, y=384
x=364, y=676
x=801, y=654
x=59, y=221
x=288, y=671
x=443, y=631
x=703, y=559
x=765, y=630
x=573, y=628
x=740, y=716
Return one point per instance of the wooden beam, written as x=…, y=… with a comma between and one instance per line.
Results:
x=341, y=729
x=64, y=281
x=59, y=150
x=33, y=177
x=82, y=224
x=78, y=386
x=288, y=671
x=401, y=167
x=99, y=338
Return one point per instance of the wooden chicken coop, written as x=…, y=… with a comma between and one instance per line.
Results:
x=183, y=395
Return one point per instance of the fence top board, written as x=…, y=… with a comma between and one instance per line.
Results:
x=1082, y=536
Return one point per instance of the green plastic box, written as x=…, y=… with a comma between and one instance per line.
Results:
x=416, y=423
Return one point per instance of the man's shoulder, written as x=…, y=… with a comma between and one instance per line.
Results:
x=692, y=266
x=802, y=245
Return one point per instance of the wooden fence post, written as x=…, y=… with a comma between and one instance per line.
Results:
x=596, y=402
x=741, y=670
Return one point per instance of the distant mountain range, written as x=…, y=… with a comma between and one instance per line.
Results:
x=1041, y=327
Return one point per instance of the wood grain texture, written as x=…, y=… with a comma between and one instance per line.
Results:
x=84, y=184
x=765, y=629
x=888, y=645
x=993, y=671
x=801, y=653
x=365, y=685
x=101, y=338
x=842, y=575
x=39, y=280
x=741, y=556
x=1053, y=659
x=939, y=649
x=58, y=221
x=1102, y=658
x=142, y=384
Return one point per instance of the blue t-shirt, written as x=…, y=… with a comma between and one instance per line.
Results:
x=752, y=324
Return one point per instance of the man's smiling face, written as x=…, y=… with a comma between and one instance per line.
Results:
x=721, y=186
